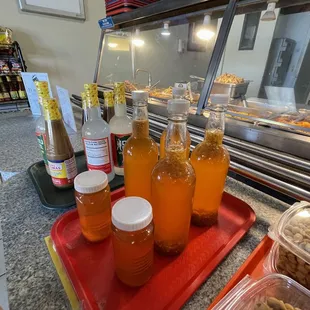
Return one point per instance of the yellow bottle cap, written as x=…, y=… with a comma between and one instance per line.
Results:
x=119, y=93
x=51, y=109
x=91, y=91
x=84, y=100
x=109, y=98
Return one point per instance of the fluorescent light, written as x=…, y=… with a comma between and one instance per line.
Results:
x=165, y=31
x=270, y=15
x=137, y=40
x=204, y=32
x=112, y=45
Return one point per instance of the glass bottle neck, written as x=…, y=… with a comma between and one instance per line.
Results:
x=215, y=127
x=93, y=113
x=120, y=109
x=140, y=121
x=176, y=139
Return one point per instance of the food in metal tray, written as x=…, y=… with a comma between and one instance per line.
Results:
x=129, y=87
x=228, y=78
x=162, y=93
x=274, y=304
x=294, y=119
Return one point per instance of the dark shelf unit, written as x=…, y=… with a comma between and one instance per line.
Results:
x=10, y=52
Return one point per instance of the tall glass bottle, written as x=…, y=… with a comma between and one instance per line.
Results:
x=43, y=93
x=121, y=128
x=140, y=151
x=96, y=136
x=59, y=151
x=108, y=111
x=177, y=93
x=173, y=185
x=210, y=160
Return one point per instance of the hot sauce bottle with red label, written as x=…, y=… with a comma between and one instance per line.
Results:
x=121, y=128
x=96, y=135
x=59, y=151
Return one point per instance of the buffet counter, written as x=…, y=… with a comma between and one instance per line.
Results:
x=32, y=278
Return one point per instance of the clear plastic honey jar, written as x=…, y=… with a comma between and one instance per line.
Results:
x=133, y=240
x=93, y=201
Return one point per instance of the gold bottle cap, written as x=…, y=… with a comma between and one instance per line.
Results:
x=109, y=98
x=42, y=90
x=51, y=109
x=84, y=100
x=91, y=91
x=119, y=93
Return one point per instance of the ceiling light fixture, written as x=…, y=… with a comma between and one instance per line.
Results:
x=137, y=41
x=165, y=31
x=112, y=45
x=205, y=32
x=270, y=14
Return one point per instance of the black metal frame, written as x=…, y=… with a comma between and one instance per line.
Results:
x=217, y=54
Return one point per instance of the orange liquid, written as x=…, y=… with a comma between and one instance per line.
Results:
x=163, y=144
x=210, y=160
x=173, y=184
x=95, y=214
x=140, y=157
x=134, y=255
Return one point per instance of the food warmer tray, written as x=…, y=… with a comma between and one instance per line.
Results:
x=232, y=90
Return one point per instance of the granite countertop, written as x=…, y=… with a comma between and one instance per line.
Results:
x=33, y=282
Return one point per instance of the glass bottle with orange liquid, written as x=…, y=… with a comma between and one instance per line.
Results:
x=177, y=93
x=140, y=151
x=173, y=185
x=210, y=160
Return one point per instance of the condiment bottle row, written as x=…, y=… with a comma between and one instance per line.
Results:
x=163, y=195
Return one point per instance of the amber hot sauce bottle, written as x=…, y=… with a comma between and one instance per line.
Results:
x=210, y=160
x=59, y=151
x=140, y=151
x=173, y=185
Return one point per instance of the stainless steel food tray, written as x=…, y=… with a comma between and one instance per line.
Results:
x=232, y=90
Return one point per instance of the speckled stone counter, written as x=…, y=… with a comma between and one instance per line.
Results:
x=32, y=280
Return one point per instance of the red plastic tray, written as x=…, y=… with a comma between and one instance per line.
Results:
x=91, y=268
x=253, y=266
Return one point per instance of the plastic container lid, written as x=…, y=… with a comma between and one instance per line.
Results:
x=292, y=230
x=249, y=293
x=140, y=95
x=178, y=91
x=89, y=182
x=132, y=213
x=178, y=106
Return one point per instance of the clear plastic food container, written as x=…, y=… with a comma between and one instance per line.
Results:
x=290, y=254
x=271, y=292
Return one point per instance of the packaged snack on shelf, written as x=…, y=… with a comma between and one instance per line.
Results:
x=272, y=292
x=15, y=67
x=290, y=255
x=4, y=67
x=5, y=35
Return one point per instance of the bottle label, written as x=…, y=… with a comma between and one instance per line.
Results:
x=118, y=142
x=98, y=154
x=42, y=143
x=63, y=172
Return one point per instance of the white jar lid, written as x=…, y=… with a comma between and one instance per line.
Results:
x=132, y=213
x=89, y=182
